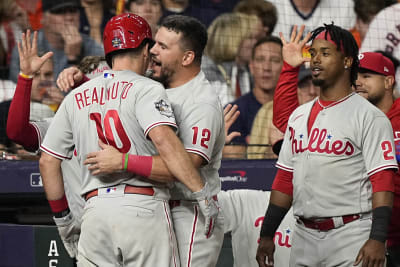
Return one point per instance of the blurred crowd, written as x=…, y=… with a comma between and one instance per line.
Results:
x=243, y=56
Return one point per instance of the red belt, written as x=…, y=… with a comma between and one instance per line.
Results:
x=328, y=224
x=129, y=189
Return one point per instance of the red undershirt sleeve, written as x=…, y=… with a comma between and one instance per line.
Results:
x=285, y=96
x=283, y=182
x=383, y=181
x=18, y=127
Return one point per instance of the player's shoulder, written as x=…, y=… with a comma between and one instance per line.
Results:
x=203, y=92
x=362, y=106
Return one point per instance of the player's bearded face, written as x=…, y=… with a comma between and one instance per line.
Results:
x=162, y=72
x=371, y=86
x=326, y=63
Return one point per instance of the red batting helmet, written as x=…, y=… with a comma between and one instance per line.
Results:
x=125, y=31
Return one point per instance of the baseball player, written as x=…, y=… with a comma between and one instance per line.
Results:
x=322, y=165
x=243, y=216
x=176, y=62
x=30, y=134
x=375, y=82
x=124, y=109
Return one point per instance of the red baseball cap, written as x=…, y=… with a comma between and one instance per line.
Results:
x=376, y=62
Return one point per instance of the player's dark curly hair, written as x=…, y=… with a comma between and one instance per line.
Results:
x=194, y=33
x=345, y=42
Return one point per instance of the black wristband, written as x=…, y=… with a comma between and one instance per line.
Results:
x=273, y=218
x=61, y=214
x=73, y=61
x=380, y=223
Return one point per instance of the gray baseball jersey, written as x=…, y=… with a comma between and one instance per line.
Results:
x=119, y=108
x=70, y=169
x=199, y=116
x=244, y=212
x=350, y=140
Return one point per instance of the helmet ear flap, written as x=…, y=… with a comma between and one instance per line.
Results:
x=125, y=31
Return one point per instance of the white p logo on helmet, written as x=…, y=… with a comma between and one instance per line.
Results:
x=360, y=56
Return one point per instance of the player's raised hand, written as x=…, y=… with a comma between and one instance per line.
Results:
x=107, y=160
x=371, y=254
x=265, y=251
x=292, y=51
x=29, y=61
x=230, y=116
x=68, y=78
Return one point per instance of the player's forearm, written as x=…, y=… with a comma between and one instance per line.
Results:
x=281, y=199
x=175, y=157
x=18, y=127
x=50, y=171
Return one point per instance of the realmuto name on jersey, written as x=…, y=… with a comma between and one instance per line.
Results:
x=101, y=95
x=321, y=142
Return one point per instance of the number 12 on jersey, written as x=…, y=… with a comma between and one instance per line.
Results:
x=205, y=136
x=105, y=127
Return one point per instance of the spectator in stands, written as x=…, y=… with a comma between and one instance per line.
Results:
x=383, y=34
x=264, y=134
x=150, y=10
x=365, y=11
x=220, y=63
x=204, y=10
x=312, y=13
x=60, y=35
x=13, y=20
x=265, y=11
x=94, y=15
x=265, y=66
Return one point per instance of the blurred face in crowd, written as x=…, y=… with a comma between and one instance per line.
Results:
x=20, y=17
x=41, y=81
x=327, y=64
x=60, y=20
x=150, y=10
x=167, y=55
x=371, y=86
x=306, y=90
x=244, y=54
x=266, y=65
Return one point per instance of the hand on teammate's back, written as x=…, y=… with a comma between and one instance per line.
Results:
x=68, y=78
x=292, y=51
x=30, y=62
x=105, y=161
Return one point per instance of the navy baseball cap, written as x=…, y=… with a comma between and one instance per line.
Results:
x=376, y=62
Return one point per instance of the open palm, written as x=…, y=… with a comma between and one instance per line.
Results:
x=29, y=60
x=292, y=51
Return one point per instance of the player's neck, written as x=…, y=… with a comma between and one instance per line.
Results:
x=125, y=63
x=386, y=103
x=184, y=76
x=337, y=91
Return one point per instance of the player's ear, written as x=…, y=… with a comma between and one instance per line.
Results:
x=188, y=58
x=389, y=82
